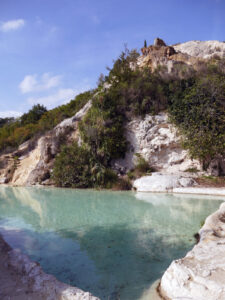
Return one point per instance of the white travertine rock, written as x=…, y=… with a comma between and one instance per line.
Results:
x=202, y=49
x=34, y=165
x=200, y=274
x=158, y=141
x=158, y=182
x=60, y=128
x=41, y=283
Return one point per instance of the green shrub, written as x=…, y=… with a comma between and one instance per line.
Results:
x=74, y=167
x=192, y=170
x=71, y=168
x=122, y=184
x=197, y=108
x=33, y=115
x=142, y=165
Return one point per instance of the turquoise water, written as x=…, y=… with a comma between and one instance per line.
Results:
x=113, y=244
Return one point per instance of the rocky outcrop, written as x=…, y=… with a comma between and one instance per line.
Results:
x=158, y=182
x=159, y=42
x=36, y=158
x=180, y=58
x=217, y=166
x=159, y=142
x=38, y=284
x=200, y=274
x=201, y=49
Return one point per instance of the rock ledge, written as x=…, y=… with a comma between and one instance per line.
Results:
x=46, y=286
x=200, y=274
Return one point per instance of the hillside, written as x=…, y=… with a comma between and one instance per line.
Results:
x=160, y=111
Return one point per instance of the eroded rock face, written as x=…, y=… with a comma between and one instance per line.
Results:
x=188, y=56
x=36, y=159
x=201, y=273
x=202, y=49
x=158, y=141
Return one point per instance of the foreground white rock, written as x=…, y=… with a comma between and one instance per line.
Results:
x=158, y=182
x=41, y=285
x=200, y=275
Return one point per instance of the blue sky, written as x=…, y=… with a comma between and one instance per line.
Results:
x=50, y=50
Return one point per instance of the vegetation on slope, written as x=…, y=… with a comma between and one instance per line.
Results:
x=197, y=107
x=37, y=121
x=130, y=92
x=195, y=102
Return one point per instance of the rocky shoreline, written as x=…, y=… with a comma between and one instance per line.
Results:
x=25, y=279
x=200, y=274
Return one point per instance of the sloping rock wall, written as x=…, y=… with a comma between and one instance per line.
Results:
x=35, y=165
x=159, y=142
x=202, y=49
x=200, y=274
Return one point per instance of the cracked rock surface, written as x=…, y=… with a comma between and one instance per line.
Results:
x=200, y=274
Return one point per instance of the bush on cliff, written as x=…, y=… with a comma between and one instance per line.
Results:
x=199, y=111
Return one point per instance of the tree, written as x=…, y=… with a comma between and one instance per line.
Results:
x=145, y=44
x=33, y=115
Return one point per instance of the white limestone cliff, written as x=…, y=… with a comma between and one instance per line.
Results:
x=202, y=49
x=159, y=142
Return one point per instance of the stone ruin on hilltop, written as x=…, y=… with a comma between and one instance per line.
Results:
x=159, y=48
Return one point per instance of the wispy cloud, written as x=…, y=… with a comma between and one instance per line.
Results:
x=59, y=97
x=12, y=25
x=31, y=83
x=9, y=114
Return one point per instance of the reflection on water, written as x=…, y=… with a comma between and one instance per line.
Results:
x=113, y=244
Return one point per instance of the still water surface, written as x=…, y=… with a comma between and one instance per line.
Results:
x=113, y=244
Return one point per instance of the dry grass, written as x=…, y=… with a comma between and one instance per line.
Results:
x=210, y=181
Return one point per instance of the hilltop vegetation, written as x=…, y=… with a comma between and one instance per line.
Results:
x=195, y=102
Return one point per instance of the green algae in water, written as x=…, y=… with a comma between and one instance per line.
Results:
x=113, y=244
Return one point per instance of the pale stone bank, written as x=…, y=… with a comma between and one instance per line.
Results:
x=200, y=275
x=32, y=281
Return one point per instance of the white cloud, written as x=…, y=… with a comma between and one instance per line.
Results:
x=12, y=25
x=31, y=83
x=10, y=113
x=60, y=97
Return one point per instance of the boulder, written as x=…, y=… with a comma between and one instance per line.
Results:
x=200, y=274
x=158, y=182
